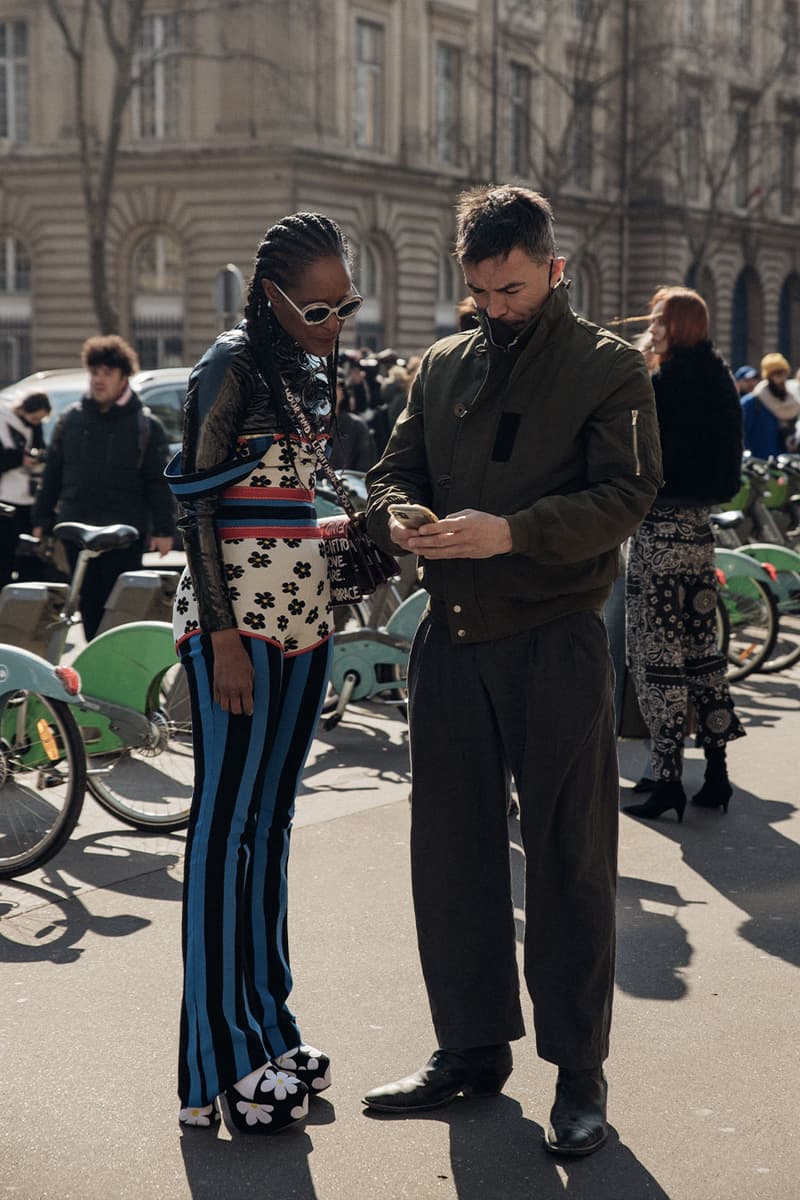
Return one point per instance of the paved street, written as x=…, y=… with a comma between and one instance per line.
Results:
x=704, y=1090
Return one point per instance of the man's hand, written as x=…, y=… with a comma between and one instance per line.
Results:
x=465, y=534
x=37, y=531
x=161, y=544
x=233, y=673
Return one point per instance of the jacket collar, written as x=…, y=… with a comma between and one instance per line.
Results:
x=538, y=328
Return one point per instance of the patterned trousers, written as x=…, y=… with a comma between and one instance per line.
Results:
x=670, y=600
x=237, y=978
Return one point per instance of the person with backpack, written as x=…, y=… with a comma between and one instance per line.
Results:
x=105, y=465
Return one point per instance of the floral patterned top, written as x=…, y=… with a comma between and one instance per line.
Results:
x=245, y=485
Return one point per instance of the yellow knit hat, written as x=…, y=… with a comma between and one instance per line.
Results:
x=771, y=363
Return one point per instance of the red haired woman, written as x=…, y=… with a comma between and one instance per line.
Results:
x=671, y=590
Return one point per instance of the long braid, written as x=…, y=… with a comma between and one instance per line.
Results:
x=288, y=246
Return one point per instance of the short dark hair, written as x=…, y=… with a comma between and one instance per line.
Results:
x=110, y=351
x=35, y=402
x=491, y=221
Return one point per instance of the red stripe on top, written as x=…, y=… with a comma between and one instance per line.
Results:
x=231, y=532
x=242, y=492
x=280, y=437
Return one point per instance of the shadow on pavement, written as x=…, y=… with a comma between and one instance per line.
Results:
x=247, y=1166
x=748, y=862
x=51, y=930
x=47, y=923
x=652, y=947
x=495, y=1151
x=374, y=749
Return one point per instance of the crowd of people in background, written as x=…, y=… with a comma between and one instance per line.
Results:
x=373, y=386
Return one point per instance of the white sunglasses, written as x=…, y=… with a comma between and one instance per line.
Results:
x=317, y=313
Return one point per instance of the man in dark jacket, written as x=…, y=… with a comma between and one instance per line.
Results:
x=105, y=465
x=533, y=437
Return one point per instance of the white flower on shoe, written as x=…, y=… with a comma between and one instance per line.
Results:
x=254, y=1113
x=293, y=1059
x=280, y=1083
x=196, y=1116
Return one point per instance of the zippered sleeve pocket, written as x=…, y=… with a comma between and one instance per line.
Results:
x=635, y=439
x=624, y=444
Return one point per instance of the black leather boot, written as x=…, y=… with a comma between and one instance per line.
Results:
x=716, y=791
x=578, y=1117
x=477, y=1071
x=667, y=794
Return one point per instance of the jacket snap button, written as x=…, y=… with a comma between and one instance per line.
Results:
x=462, y=633
x=459, y=410
x=456, y=608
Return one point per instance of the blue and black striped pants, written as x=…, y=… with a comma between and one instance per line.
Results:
x=237, y=977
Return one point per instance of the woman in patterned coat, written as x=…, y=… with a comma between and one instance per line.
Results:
x=253, y=628
x=671, y=588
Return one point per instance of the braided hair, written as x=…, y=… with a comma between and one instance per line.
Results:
x=288, y=246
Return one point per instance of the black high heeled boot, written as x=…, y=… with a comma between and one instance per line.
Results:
x=716, y=791
x=667, y=794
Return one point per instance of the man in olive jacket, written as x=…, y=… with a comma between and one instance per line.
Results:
x=534, y=440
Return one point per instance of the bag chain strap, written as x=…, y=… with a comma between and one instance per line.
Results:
x=305, y=427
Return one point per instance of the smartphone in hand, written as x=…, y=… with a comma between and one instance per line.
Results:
x=411, y=516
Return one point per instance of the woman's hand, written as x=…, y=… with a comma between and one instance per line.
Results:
x=233, y=673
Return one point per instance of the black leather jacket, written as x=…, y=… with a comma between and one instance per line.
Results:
x=228, y=399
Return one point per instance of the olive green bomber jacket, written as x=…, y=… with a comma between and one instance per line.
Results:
x=558, y=434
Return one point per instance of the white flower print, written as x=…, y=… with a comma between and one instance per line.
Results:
x=280, y=1083
x=196, y=1116
x=254, y=1113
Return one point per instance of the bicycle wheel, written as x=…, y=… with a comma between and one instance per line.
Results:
x=753, y=620
x=786, y=651
x=151, y=788
x=723, y=627
x=42, y=780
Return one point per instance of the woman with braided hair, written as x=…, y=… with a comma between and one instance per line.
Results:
x=253, y=629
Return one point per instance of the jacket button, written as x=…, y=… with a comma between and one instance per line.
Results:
x=461, y=632
x=459, y=409
x=456, y=608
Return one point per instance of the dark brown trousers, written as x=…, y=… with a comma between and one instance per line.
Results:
x=540, y=706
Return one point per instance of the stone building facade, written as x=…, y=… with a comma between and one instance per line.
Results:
x=666, y=136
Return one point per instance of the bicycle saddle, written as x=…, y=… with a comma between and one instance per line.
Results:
x=727, y=520
x=96, y=537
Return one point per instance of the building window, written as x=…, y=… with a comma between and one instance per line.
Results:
x=448, y=103
x=789, y=318
x=584, y=289
x=369, y=320
x=519, y=119
x=582, y=142
x=14, y=81
x=15, y=311
x=741, y=155
x=157, y=69
x=369, y=98
x=451, y=285
x=742, y=27
x=693, y=19
x=788, y=169
x=158, y=302
x=747, y=319
x=692, y=164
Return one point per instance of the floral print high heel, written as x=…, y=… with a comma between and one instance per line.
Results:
x=308, y=1064
x=279, y=1100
